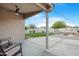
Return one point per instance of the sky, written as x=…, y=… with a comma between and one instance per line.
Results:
x=67, y=12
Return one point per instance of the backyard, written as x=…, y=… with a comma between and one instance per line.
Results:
x=59, y=45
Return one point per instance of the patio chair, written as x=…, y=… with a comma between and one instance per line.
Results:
x=9, y=48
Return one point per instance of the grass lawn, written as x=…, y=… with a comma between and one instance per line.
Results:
x=36, y=35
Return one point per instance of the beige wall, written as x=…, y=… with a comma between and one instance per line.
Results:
x=11, y=25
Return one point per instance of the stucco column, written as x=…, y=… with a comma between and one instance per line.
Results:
x=47, y=33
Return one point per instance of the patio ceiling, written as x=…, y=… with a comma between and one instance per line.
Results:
x=26, y=9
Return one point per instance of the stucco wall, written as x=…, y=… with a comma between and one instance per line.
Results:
x=11, y=25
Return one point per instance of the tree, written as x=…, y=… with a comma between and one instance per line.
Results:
x=32, y=26
x=59, y=24
x=26, y=27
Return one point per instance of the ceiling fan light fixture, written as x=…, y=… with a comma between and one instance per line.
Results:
x=17, y=13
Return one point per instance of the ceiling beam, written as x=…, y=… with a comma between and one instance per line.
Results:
x=45, y=6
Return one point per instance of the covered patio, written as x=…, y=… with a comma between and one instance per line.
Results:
x=12, y=30
x=12, y=20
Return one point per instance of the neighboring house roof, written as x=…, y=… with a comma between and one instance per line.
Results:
x=26, y=9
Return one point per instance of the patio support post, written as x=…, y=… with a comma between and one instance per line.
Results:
x=47, y=30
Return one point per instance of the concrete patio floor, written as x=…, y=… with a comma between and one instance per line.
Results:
x=58, y=46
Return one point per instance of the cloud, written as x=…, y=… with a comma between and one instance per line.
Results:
x=39, y=20
x=54, y=19
x=70, y=24
x=51, y=21
x=41, y=25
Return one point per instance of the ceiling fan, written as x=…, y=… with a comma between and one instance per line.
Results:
x=17, y=10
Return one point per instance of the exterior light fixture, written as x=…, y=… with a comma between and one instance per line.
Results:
x=17, y=10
